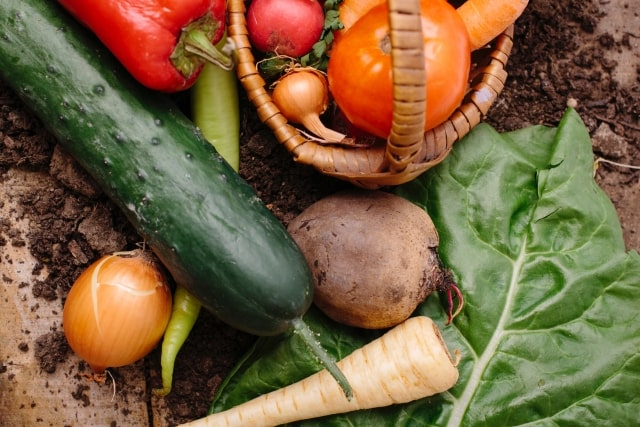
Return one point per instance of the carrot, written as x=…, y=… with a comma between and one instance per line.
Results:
x=352, y=10
x=486, y=19
x=409, y=362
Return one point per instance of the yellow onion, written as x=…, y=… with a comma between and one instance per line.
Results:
x=117, y=310
x=302, y=95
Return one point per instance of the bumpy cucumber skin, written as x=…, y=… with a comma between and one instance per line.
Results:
x=203, y=221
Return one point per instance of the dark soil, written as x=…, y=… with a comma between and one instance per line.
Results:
x=557, y=57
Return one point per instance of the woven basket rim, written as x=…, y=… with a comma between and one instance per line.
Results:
x=377, y=165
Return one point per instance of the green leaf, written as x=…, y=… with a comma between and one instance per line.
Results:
x=319, y=55
x=550, y=333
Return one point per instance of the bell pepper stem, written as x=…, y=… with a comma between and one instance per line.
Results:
x=195, y=46
x=197, y=43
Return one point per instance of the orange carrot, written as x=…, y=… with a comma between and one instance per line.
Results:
x=352, y=10
x=409, y=362
x=486, y=19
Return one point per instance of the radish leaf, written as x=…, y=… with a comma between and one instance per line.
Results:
x=550, y=331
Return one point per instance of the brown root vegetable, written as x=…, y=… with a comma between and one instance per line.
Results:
x=373, y=256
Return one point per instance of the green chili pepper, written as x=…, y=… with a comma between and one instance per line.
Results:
x=215, y=110
x=184, y=314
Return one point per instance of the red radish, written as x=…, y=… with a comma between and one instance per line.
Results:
x=285, y=27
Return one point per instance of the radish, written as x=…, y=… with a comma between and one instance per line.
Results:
x=409, y=362
x=285, y=27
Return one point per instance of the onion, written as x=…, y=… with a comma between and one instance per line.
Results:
x=302, y=95
x=117, y=310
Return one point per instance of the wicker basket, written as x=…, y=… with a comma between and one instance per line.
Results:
x=408, y=151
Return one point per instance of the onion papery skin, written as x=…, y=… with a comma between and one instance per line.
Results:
x=117, y=310
x=302, y=95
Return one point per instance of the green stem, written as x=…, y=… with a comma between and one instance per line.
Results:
x=194, y=47
x=329, y=363
x=196, y=42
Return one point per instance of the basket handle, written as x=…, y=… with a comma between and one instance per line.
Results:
x=409, y=84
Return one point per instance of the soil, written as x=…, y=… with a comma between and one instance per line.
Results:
x=561, y=53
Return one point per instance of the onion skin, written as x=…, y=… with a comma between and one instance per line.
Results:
x=302, y=95
x=117, y=310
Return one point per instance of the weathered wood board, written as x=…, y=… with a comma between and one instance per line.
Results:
x=29, y=395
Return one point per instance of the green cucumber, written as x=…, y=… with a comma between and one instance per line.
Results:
x=203, y=221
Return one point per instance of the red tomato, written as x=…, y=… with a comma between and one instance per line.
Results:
x=359, y=69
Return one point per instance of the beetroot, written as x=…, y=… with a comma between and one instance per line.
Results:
x=285, y=27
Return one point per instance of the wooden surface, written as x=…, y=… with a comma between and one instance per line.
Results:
x=28, y=395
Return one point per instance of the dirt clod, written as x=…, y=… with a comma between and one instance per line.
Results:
x=50, y=350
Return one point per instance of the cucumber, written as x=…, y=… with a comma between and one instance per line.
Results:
x=205, y=223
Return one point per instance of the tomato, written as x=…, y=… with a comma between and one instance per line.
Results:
x=359, y=69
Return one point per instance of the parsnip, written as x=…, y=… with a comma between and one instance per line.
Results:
x=409, y=362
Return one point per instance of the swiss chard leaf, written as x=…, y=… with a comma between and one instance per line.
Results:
x=550, y=333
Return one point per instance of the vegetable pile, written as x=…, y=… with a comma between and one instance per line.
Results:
x=205, y=224
x=525, y=231
x=156, y=165
x=354, y=50
x=550, y=330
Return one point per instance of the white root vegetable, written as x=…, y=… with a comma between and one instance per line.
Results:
x=409, y=362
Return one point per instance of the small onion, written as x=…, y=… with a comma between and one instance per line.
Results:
x=117, y=310
x=302, y=95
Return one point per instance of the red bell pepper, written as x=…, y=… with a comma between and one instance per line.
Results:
x=163, y=43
